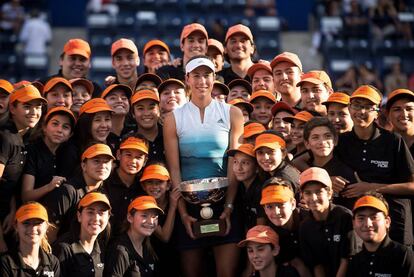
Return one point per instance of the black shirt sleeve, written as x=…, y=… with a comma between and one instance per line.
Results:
x=117, y=262
x=58, y=202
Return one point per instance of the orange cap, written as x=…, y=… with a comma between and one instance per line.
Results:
x=286, y=57
x=93, y=197
x=55, y=81
x=302, y=116
x=264, y=65
x=25, y=94
x=135, y=143
x=239, y=29
x=77, y=47
x=261, y=234
x=31, y=210
x=316, y=77
x=37, y=84
x=61, y=109
x=84, y=82
x=245, y=148
x=263, y=93
x=398, y=94
x=276, y=194
x=269, y=140
x=144, y=94
x=242, y=102
x=126, y=89
x=6, y=86
x=94, y=105
x=156, y=42
x=191, y=28
x=142, y=203
x=21, y=83
x=338, y=97
x=96, y=150
x=282, y=106
x=216, y=44
x=155, y=171
x=124, y=43
x=168, y=82
x=370, y=201
x=315, y=174
x=253, y=128
x=367, y=92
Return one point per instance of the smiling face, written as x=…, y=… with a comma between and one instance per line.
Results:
x=97, y=168
x=156, y=188
x=125, y=63
x=59, y=96
x=285, y=77
x=195, y=44
x=238, y=92
x=80, y=95
x=58, y=129
x=313, y=95
x=155, y=57
x=282, y=126
x=118, y=101
x=263, y=80
x=200, y=81
x=101, y=126
x=172, y=97
x=401, y=115
x=146, y=113
x=31, y=231
x=131, y=161
x=262, y=110
x=321, y=141
x=26, y=115
x=143, y=223
x=296, y=132
x=269, y=159
x=280, y=213
x=261, y=255
x=74, y=66
x=93, y=219
x=363, y=112
x=244, y=167
x=239, y=47
x=371, y=225
x=217, y=57
x=316, y=196
x=340, y=117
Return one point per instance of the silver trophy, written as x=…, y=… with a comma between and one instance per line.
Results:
x=203, y=192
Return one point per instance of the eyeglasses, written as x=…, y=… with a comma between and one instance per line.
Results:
x=359, y=107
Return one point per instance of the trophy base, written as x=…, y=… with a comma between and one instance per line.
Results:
x=210, y=227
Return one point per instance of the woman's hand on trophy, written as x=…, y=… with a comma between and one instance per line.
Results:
x=188, y=224
x=225, y=215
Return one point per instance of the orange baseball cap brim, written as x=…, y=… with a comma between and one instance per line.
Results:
x=142, y=203
x=371, y=202
x=156, y=42
x=126, y=89
x=6, y=86
x=245, y=148
x=258, y=66
x=156, y=172
x=367, y=92
x=93, y=197
x=55, y=81
x=276, y=194
x=84, y=82
x=399, y=94
x=252, y=129
x=302, y=116
x=337, y=97
x=263, y=93
x=26, y=94
x=271, y=141
x=30, y=211
x=97, y=150
x=143, y=95
x=134, y=143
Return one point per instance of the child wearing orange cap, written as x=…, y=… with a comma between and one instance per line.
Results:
x=33, y=255
x=251, y=130
x=155, y=181
x=239, y=88
x=324, y=234
x=81, y=251
x=337, y=107
x=40, y=172
x=6, y=89
x=132, y=253
x=172, y=95
x=297, y=123
x=82, y=92
x=125, y=61
x=280, y=110
x=262, y=244
x=25, y=106
x=58, y=93
x=156, y=55
x=380, y=256
x=262, y=102
x=245, y=107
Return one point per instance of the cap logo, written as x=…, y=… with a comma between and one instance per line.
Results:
x=262, y=235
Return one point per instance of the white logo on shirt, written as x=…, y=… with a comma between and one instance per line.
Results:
x=337, y=238
x=100, y=265
x=381, y=164
x=48, y=273
x=382, y=275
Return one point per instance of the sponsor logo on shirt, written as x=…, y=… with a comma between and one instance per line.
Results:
x=100, y=265
x=337, y=238
x=382, y=275
x=48, y=273
x=380, y=164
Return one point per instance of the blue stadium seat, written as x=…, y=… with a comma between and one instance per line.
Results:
x=267, y=48
x=360, y=50
x=335, y=49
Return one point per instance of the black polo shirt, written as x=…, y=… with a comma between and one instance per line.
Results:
x=156, y=147
x=68, y=159
x=326, y=242
x=289, y=239
x=4, y=118
x=248, y=201
x=123, y=260
x=390, y=259
x=288, y=172
x=120, y=196
x=229, y=75
x=75, y=261
x=13, y=157
x=12, y=264
x=385, y=159
x=169, y=71
x=282, y=271
x=40, y=163
x=61, y=203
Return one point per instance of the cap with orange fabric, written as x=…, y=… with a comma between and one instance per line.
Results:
x=25, y=94
x=276, y=194
x=261, y=234
x=124, y=43
x=262, y=65
x=77, y=46
x=155, y=42
x=6, y=86
x=371, y=202
x=126, y=89
x=155, y=171
x=399, y=94
x=31, y=210
x=239, y=29
x=286, y=57
x=97, y=150
x=316, y=77
x=242, y=102
x=216, y=44
x=337, y=97
x=253, y=128
x=270, y=140
x=93, y=197
x=60, y=109
x=367, y=92
x=22, y=83
x=315, y=174
x=54, y=82
x=191, y=28
x=83, y=82
x=94, y=105
x=143, y=203
x=263, y=93
x=302, y=116
x=282, y=106
x=143, y=95
x=245, y=148
x=134, y=143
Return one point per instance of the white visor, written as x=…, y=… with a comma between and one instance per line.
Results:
x=193, y=64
